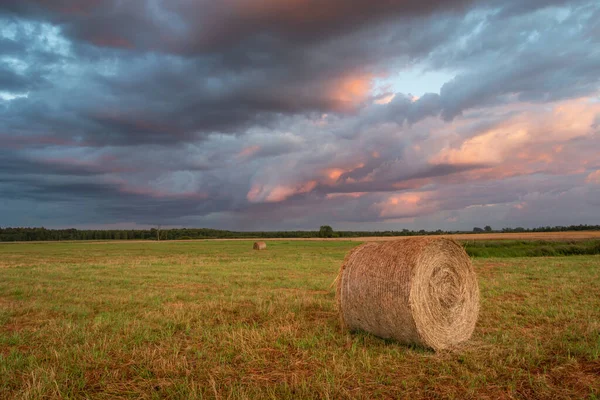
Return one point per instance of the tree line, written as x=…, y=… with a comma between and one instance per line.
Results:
x=43, y=234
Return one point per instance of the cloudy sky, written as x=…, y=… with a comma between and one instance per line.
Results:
x=290, y=114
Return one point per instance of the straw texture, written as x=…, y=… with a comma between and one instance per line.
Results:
x=260, y=246
x=419, y=291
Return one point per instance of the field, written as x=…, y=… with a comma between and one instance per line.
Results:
x=215, y=319
x=550, y=236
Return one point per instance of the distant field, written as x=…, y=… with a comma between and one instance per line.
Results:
x=578, y=235
x=549, y=236
x=215, y=319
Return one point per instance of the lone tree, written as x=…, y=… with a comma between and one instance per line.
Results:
x=326, y=231
x=156, y=232
x=487, y=228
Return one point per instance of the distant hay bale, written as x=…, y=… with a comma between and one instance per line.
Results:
x=260, y=245
x=419, y=291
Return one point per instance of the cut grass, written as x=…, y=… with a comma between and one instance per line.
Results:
x=219, y=320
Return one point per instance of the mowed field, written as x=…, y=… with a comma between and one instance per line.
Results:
x=215, y=319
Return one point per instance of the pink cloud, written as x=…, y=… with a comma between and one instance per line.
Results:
x=385, y=99
x=404, y=205
x=247, y=152
x=349, y=91
x=594, y=177
x=522, y=133
x=333, y=174
x=520, y=205
x=278, y=193
x=535, y=140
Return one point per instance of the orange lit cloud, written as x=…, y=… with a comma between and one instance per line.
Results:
x=403, y=205
x=526, y=137
x=489, y=147
x=594, y=177
x=333, y=174
x=349, y=91
x=278, y=193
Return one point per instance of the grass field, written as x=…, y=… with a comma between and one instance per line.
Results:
x=216, y=319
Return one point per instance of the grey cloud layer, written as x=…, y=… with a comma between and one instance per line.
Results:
x=168, y=99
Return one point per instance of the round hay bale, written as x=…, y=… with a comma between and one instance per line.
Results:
x=260, y=246
x=419, y=291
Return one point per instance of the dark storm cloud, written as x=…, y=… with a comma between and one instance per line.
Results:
x=199, y=26
x=165, y=101
x=108, y=202
x=13, y=82
x=268, y=67
x=157, y=98
x=13, y=164
x=10, y=46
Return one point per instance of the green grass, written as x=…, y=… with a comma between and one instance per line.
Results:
x=219, y=320
x=530, y=248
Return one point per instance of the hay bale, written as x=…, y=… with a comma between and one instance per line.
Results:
x=260, y=246
x=419, y=291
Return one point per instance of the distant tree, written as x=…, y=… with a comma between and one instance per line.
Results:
x=8, y=234
x=326, y=231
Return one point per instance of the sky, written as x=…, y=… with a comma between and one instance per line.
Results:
x=291, y=114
